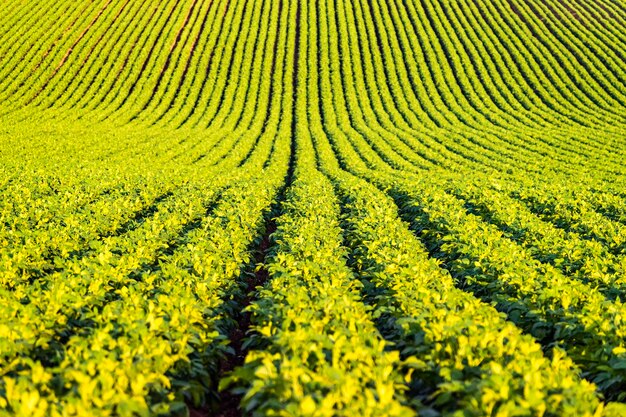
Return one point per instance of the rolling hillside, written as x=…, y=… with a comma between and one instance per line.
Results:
x=313, y=208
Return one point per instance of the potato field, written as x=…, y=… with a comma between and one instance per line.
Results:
x=313, y=208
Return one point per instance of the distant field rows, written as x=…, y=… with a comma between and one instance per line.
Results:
x=313, y=207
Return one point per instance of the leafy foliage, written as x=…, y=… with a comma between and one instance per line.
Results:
x=445, y=178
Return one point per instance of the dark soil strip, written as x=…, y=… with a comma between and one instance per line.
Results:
x=168, y=60
x=272, y=96
x=208, y=67
x=257, y=276
x=137, y=39
x=58, y=39
x=254, y=275
x=187, y=64
x=70, y=50
x=104, y=34
x=146, y=61
x=229, y=402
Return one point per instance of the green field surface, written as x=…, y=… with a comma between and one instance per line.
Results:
x=313, y=208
